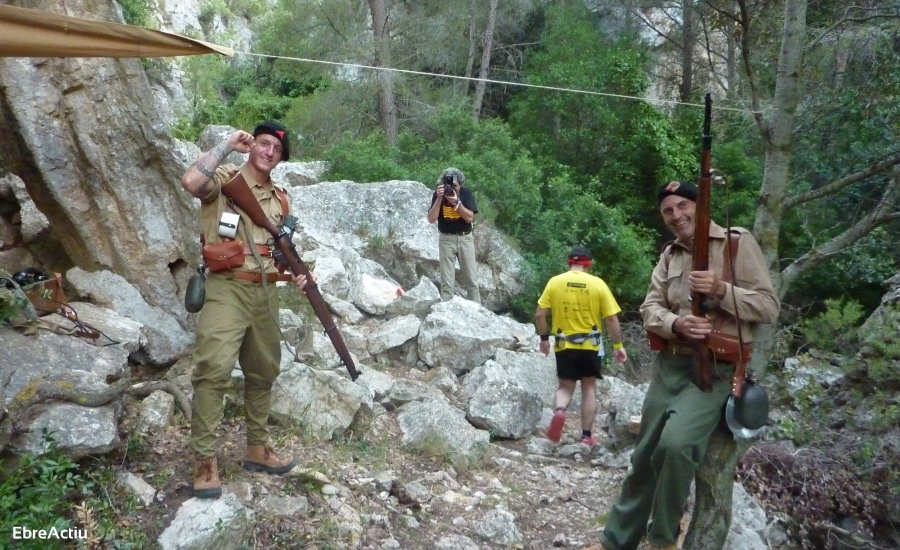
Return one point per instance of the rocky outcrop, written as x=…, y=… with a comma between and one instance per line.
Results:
x=387, y=221
x=97, y=162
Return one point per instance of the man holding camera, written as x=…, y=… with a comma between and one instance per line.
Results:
x=239, y=320
x=453, y=208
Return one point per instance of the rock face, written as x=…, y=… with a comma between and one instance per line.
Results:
x=97, y=162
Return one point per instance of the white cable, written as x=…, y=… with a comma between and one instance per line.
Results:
x=506, y=82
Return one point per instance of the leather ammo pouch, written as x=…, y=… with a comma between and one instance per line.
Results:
x=657, y=342
x=223, y=256
x=46, y=296
x=726, y=347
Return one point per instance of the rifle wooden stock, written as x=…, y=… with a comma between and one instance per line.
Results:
x=699, y=301
x=238, y=191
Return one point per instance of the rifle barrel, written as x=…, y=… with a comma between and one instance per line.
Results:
x=699, y=301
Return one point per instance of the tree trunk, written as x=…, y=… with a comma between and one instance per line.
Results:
x=778, y=135
x=714, y=480
x=687, y=49
x=387, y=104
x=730, y=60
x=470, y=60
x=485, y=59
x=713, y=487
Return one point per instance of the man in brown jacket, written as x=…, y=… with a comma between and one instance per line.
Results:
x=677, y=418
x=239, y=320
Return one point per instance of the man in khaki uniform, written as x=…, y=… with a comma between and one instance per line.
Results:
x=677, y=418
x=239, y=319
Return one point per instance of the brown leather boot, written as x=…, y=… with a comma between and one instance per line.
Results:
x=206, y=478
x=261, y=458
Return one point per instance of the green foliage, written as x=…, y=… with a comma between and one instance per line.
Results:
x=136, y=12
x=252, y=106
x=833, y=330
x=211, y=9
x=51, y=490
x=617, y=149
x=11, y=305
x=36, y=495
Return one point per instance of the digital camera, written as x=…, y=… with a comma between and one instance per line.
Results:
x=449, y=180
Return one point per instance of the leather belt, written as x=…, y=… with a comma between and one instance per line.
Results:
x=688, y=349
x=261, y=248
x=257, y=277
x=681, y=348
x=460, y=233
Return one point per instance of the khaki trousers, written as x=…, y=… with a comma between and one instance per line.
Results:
x=451, y=247
x=677, y=420
x=238, y=321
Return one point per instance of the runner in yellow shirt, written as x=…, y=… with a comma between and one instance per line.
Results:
x=577, y=301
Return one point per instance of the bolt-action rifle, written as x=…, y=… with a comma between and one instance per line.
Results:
x=699, y=301
x=238, y=191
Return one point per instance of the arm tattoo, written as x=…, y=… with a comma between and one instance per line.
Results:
x=208, y=162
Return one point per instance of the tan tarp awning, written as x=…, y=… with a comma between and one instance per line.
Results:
x=33, y=33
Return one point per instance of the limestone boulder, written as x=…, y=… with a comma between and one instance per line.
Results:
x=323, y=402
x=461, y=335
x=624, y=401
x=223, y=523
x=416, y=301
x=505, y=409
x=393, y=333
x=167, y=338
x=437, y=427
x=33, y=222
x=27, y=362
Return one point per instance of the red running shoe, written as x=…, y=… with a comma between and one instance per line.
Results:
x=556, y=425
x=589, y=441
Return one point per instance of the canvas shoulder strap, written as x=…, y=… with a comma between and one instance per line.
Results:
x=734, y=241
x=667, y=253
x=282, y=196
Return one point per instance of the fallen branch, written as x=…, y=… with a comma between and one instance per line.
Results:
x=66, y=389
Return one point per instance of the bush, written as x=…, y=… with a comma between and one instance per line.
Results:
x=833, y=330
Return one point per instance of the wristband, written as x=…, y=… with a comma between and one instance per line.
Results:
x=620, y=345
x=545, y=337
x=457, y=206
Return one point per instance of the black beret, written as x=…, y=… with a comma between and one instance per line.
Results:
x=680, y=188
x=277, y=130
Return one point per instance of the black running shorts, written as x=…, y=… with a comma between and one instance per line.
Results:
x=575, y=364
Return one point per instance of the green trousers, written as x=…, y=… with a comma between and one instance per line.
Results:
x=238, y=321
x=677, y=420
x=451, y=247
